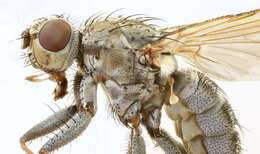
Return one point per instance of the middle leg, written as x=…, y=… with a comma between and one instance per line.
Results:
x=136, y=144
x=131, y=119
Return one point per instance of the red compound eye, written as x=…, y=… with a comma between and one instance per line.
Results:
x=55, y=35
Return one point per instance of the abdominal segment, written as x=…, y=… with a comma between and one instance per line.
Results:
x=203, y=117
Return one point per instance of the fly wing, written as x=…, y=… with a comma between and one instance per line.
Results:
x=225, y=48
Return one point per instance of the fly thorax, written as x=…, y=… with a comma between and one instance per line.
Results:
x=103, y=35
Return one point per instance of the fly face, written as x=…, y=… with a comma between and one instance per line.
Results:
x=52, y=42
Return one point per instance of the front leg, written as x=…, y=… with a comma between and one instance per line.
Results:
x=47, y=126
x=73, y=128
x=71, y=121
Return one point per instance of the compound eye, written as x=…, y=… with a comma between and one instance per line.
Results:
x=55, y=35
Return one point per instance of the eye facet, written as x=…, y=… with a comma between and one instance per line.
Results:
x=55, y=35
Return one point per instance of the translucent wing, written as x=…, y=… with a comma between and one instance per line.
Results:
x=225, y=48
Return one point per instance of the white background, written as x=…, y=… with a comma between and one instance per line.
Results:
x=23, y=103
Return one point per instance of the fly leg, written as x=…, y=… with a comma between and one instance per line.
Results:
x=85, y=96
x=69, y=122
x=127, y=109
x=136, y=143
x=73, y=128
x=47, y=126
x=151, y=120
x=131, y=119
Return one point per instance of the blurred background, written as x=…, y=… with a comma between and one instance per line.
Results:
x=23, y=104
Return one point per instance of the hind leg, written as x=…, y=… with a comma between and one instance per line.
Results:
x=151, y=120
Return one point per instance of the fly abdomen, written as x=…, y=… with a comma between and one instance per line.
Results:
x=204, y=117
